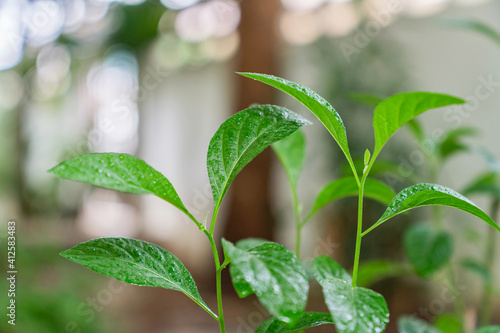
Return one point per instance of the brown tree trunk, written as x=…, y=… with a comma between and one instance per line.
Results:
x=249, y=211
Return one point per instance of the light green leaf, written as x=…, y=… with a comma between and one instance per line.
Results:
x=415, y=325
x=427, y=249
x=249, y=243
x=372, y=271
x=473, y=25
x=274, y=274
x=314, y=102
x=136, y=262
x=430, y=194
x=489, y=329
x=347, y=187
x=449, y=323
x=354, y=309
x=291, y=152
x=324, y=267
x=367, y=156
x=242, y=137
x=119, y=172
x=305, y=321
x=397, y=110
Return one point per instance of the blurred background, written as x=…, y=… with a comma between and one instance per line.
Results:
x=156, y=78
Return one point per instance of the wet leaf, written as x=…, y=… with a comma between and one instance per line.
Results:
x=398, y=109
x=354, y=309
x=414, y=325
x=119, y=172
x=242, y=137
x=324, y=267
x=249, y=243
x=430, y=194
x=305, y=321
x=323, y=110
x=347, y=187
x=427, y=249
x=291, y=152
x=274, y=274
x=136, y=262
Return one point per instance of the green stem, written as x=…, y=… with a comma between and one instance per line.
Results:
x=298, y=222
x=218, y=274
x=360, y=230
x=485, y=309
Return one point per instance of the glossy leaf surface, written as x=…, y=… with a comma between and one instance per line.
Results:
x=415, y=325
x=242, y=137
x=136, y=262
x=305, y=321
x=427, y=249
x=430, y=194
x=372, y=271
x=323, y=110
x=119, y=172
x=324, y=267
x=291, y=152
x=395, y=111
x=249, y=243
x=353, y=310
x=274, y=274
x=347, y=187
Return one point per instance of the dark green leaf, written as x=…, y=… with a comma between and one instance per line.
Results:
x=451, y=143
x=372, y=271
x=430, y=194
x=324, y=267
x=489, y=329
x=291, y=152
x=136, y=262
x=346, y=187
x=242, y=137
x=119, y=172
x=414, y=325
x=486, y=184
x=249, y=243
x=354, y=309
x=274, y=274
x=477, y=267
x=397, y=110
x=315, y=103
x=427, y=249
x=305, y=321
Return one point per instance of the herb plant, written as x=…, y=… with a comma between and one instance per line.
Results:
x=269, y=270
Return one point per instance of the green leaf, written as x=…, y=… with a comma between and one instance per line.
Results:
x=366, y=98
x=486, y=184
x=414, y=325
x=416, y=129
x=397, y=110
x=274, y=274
x=372, y=271
x=324, y=267
x=119, y=172
x=489, y=329
x=291, y=153
x=473, y=25
x=305, y=321
x=366, y=158
x=136, y=262
x=242, y=137
x=314, y=102
x=449, y=323
x=427, y=249
x=354, y=309
x=451, y=144
x=430, y=194
x=477, y=267
x=347, y=187
x=249, y=243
